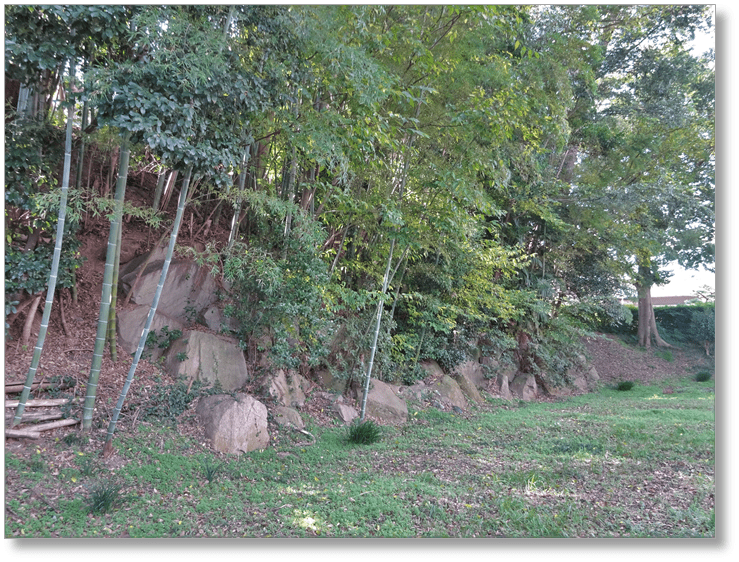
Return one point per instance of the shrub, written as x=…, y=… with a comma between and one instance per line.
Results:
x=364, y=433
x=625, y=385
x=169, y=401
x=703, y=376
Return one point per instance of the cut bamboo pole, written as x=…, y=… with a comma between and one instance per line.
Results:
x=55, y=425
x=41, y=403
x=33, y=418
x=18, y=387
x=19, y=434
x=35, y=432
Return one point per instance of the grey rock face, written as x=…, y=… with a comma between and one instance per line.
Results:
x=234, y=425
x=201, y=356
x=384, y=404
x=524, y=387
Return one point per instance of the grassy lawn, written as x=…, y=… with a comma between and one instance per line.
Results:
x=612, y=464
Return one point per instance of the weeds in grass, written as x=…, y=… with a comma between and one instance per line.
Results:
x=36, y=464
x=364, y=433
x=211, y=471
x=625, y=385
x=75, y=438
x=87, y=465
x=102, y=496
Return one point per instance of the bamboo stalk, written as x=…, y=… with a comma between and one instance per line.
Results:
x=35, y=432
x=54, y=263
x=378, y=321
x=152, y=311
x=112, y=341
x=97, y=358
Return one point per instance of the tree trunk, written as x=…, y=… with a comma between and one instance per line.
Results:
x=647, y=325
x=81, y=156
x=158, y=190
x=54, y=265
x=114, y=299
x=152, y=311
x=168, y=189
x=237, y=211
x=102, y=329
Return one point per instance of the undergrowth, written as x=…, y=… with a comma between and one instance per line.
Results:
x=586, y=466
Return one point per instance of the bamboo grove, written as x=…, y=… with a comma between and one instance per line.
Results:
x=412, y=182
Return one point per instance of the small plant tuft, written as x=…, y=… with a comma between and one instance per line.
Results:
x=703, y=376
x=364, y=433
x=87, y=465
x=625, y=385
x=102, y=496
x=211, y=471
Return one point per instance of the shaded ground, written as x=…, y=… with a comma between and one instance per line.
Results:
x=616, y=361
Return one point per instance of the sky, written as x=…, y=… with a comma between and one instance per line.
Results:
x=686, y=282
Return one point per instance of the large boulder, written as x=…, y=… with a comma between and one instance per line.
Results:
x=418, y=392
x=130, y=324
x=287, y=388
x=583, y=377
x=432, y=369
x=157, y=254
x=524, y=387
x=384, y=404
x=469, y=389
x=329, y=381
x=188, y=289
x=473, y=372
x=345, y=412
x=450, y=393
x=234, y=424
x=205, y=357
x=501, y=386
x=289, y=417
x=215, y=319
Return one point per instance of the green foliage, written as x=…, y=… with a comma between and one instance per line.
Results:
x=211, y=471
x=103, y=495
x=702, y=328
x=88, y=465
x=625, y=385
x=10, y=308
x=164, y=339
x=168, y=402
x=364, y=433
x=703, y=376
x=33, y=150
x=689, y=324
x=263, y=276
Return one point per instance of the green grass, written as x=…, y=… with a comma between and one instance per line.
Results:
x=609, y=464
